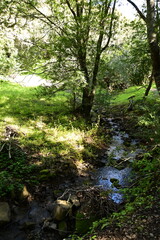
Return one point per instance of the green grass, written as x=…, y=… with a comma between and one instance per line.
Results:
x=132, y=91
x=21, y=103
x=137, y=91
x=145, y=115
x=53, y=139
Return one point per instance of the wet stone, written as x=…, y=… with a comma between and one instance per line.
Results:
x=151, y=235
x=49, y=225
x=62, y=209
x=102, y=161
x=12, y=232
x=75, y=200
x=28, y=225
x=5, y=213
x=38, y=213
x=62, y=227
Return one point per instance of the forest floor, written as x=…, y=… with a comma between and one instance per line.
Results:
x=143, y=226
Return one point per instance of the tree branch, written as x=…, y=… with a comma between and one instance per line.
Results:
x=110, y=28
x=41, y=13
x=138, y=10
x=72, y=11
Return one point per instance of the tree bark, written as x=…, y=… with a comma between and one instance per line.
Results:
x=152, y=36
x=87, y=102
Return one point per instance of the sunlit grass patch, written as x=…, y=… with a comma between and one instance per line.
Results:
x=55, y=141
x=136, y=91
x=23, y=103
x=46, y=128
x=145, y=113
x=40, y=124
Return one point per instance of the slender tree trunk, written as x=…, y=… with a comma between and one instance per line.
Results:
x=149, y=85
x=155, y=55
x=74, y=101
x=152, y=35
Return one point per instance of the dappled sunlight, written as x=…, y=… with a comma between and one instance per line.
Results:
x=27, y=130
x=45, y=129
x=54, y=142
x=27, y=108
x=14, y=123
x=3, y=99
x=137, y=91
x=62, y=133
x=145, y=122
x=49, y=142
x=11, y=121
x=72, y=137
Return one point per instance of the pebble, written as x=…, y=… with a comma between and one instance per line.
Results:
x=134, y=236
x=53, y=226
x=144, y=220
x=151, y=235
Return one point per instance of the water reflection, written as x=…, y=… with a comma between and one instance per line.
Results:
x=104, y=178
x=122, y=148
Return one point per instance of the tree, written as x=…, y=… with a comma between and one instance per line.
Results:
x=92, y=18
x=8, y=53
x=79, y=33
x=139, y=57
x=127, y=61
x=151, y=20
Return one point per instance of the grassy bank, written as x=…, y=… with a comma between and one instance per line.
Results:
x=40, y=138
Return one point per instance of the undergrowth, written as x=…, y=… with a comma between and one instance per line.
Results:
x=141, y=196
x=143, y=193
x=14, y=169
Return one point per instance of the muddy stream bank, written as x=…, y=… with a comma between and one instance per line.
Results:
x=50, y=218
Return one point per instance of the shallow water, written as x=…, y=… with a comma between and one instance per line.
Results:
x=104, y=176
x=117, y=151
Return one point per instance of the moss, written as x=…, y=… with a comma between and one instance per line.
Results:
x=115, y=182
x=82, y=223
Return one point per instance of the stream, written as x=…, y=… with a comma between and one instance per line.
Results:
x=28, y=221
x=122, y=149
